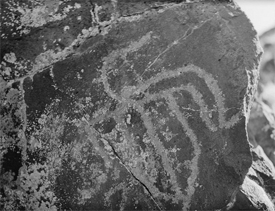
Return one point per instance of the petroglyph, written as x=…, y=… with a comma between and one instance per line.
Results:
x=129, y=104
x=197, y=150
x=127, y=99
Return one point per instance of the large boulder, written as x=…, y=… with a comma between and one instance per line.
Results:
x=125, y=105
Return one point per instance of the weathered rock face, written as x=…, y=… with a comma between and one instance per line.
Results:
x=261, y=125
x=258, y=189
x=125, y=105
x=261, y=129
x=258, y=192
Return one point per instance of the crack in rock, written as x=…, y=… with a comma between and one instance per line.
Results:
x=146, y=188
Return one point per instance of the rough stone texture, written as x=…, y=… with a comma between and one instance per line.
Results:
x=261, y=128
x=258, y=190
x=124, y=105
x=261, y=125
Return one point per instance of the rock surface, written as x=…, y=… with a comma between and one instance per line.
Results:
x=258, y=190
x=261, y=125
x=261, y=128
x=124, y=105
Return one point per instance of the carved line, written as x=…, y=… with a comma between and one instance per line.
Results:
x=152, y=190
x=92, y=137
x=125, y=102
x=160, y=150
x=157, y=144
x=197, y=96
x=197, y=150
x=211, y=84
x=111, y=60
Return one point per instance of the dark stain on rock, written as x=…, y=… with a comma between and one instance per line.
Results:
x=138, y=96
x=132, y=118
x=70, y=133
x=106, y=126
x=186, y=102
x=39, y=93
x=66, y=186
x=113, y=105
x=36, y=156
x=12, y=161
